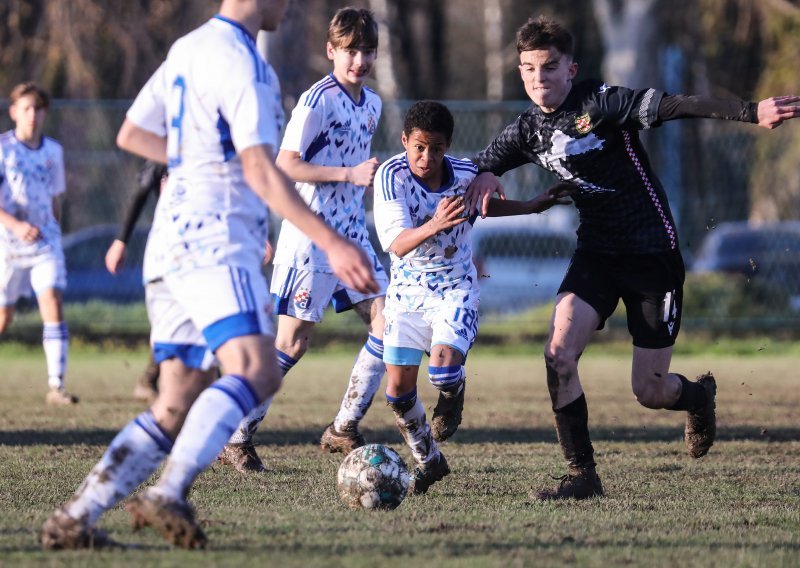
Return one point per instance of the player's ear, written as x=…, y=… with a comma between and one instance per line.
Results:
x=573, y=69
x=404, y=140
x=329, y=50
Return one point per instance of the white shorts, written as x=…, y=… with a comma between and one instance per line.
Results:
x=408, y=335
x=304, y=294
x=19, y=280
x=193, y=313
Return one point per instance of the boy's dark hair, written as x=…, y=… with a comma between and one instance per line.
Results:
x=40, y=96
x=429, y=116
x=353, y=27
x=544, y=33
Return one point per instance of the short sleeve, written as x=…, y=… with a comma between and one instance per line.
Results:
x=304, y=127
x=249, y=109
x=149, y=108
x=390, y=208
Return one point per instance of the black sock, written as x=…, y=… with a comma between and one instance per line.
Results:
x=693, y=395
x=572, y=427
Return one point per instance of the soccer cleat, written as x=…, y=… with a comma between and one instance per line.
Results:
x=62, y=532
x=60, y=397
x=242, y=457
x=344, y=441
x=174, y=520
x=701, y=424
x=578, y=485
x=447, y=415
x=426, y=475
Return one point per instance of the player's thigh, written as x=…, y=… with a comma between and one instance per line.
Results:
x=173, y=333
x=254, y=358
x=453, y=331
x=572, y=325
x=15, y=283
x=652, y=290
x=407, y=337
x=590, y=282
x=345, y=298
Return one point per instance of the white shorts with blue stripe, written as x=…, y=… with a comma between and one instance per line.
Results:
x=193, y=313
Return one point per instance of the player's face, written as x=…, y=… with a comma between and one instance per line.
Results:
x=425, y=151
x=29, y=120
x=352, y=65
x=272, y=12
x=547, y=75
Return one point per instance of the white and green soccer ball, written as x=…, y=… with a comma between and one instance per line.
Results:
x=372, y=477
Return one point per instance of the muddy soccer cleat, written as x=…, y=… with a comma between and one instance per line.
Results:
x=427, y=474
x=701, y=424
x=578, y=485
x=344, y=441
x=62, y=532
x=447, y=415
x=60, y=397
x=242, y=457
x=173, y=520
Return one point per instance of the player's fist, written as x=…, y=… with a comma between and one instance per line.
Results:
x=115, y=257
x=363, y=173
x=26, y=232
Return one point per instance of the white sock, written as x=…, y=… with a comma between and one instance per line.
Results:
x=365, y=380
x=209, y=424
x=413, y=427
x=131, y=457
x=249, y=425
x=55, y=339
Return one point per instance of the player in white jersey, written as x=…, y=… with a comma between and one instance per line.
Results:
x=432, y=300
x=326, y=150
x=31, y=258
x=213, y=98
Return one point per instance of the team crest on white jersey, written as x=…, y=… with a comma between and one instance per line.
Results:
x=372, y=124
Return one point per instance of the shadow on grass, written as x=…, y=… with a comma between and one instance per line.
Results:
x=298, y=437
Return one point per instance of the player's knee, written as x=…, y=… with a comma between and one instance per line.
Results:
x=559, y=359
x=648, y=394
x=445, y=378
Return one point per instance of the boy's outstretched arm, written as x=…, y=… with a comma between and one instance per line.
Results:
x=299, y=170
x=554, y=195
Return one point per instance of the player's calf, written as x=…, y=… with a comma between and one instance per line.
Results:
x=450, y=405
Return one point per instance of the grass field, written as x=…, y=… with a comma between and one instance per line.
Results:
x=739, y=506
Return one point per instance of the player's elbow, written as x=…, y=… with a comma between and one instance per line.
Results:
x=125, y=137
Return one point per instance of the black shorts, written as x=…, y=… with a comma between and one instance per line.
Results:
x=650, y=286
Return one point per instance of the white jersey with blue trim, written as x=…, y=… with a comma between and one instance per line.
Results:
x=213, y=97
x=329, y=128
x=29, y=180
x=441, y=267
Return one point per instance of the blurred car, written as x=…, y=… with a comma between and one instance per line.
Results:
x=520, y=264
x=87, y=277
x=770, y=251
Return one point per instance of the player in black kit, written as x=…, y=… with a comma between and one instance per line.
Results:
x=627, y=247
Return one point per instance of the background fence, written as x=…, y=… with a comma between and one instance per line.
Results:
x=705, y=167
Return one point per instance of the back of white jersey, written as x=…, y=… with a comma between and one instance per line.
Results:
x=29, y=180
x=213, y=97
x=442, y=265
x=328, y=128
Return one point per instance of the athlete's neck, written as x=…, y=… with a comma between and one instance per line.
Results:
x=30, y=139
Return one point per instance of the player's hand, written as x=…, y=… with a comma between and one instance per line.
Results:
x=26, y=232
x=269, y=253
x=480, y=192
x=449, y=213
x=352, y=266
x=554, y=195
x=774, y=111
x=363, y=173
x=115, y=257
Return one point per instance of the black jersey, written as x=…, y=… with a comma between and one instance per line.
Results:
x=592, y=140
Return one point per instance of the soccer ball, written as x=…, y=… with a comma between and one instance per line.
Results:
x=372, y=477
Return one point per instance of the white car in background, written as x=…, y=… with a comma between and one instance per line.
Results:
x=520, y=262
